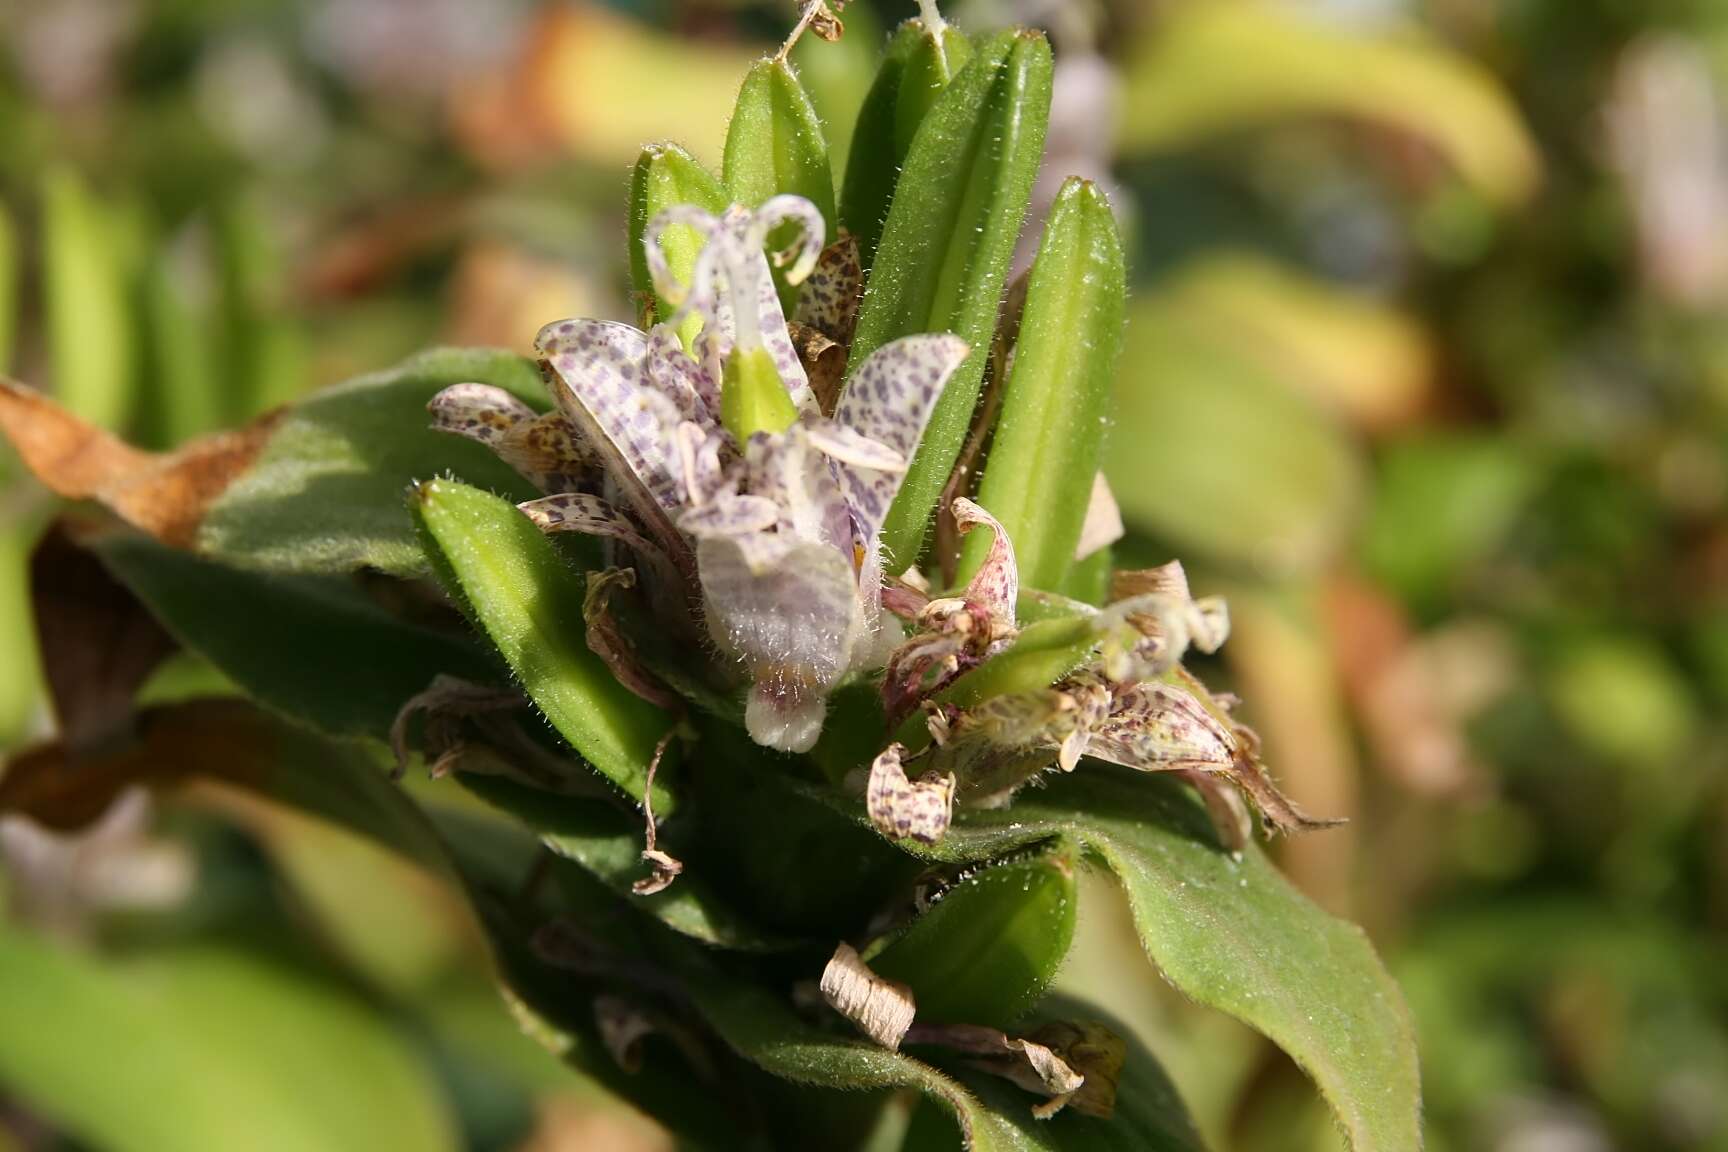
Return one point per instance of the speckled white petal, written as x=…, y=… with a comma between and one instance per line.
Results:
x=847, y=446
x=889, y=400
x=607, y=395
x=785, y=608
x=901, y=809
x=482, y=412
x=1157, y=727
x=680, y=379
x=731, y=515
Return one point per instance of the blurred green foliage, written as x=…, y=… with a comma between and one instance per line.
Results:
x=1426, y=340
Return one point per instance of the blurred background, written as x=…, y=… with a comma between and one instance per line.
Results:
x=1427, y=371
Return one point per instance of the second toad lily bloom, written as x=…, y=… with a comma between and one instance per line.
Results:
x=739, y=499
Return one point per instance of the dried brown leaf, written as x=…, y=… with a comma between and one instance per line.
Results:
x=164, y=494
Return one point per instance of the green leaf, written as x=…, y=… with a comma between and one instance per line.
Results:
x=9, y=273
x=266, y=630
x=89, y=332
x=608, y=843
x=1039, y=476
x=1150, y=1115
x=1232, y=934
x=325, y=494
x=206, y=1052
x=887, y=123
x=947, y=244
x=517, y=588
x=986, y=951
x=1209, y=69
x=775, y=145
x=260, y=352
x=665, y=176
x=1219, y=457
x=180, y=390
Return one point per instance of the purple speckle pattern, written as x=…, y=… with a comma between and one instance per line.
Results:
x=604, y=369
x=996, y=584
x=889, y=400
x=847, y=446
x=480, y=412
x=591, y=515
x=731, y=515
x=1159, y=727
x=785, y=608
x=679, y=378
x=828, y=300
x=901, y=809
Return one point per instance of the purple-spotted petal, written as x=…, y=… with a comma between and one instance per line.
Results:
x=680, y=379
x=592, y=516
x=996, y=584
x=603, y=367
x=848, y=446
x=1157, y=727
x=889, y=400
x=786, y=609
x=482, y=412
x=731, y=516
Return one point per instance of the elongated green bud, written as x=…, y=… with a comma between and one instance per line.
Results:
x=947, y=245
x=665, y=176
x=495, y=562
x=1039, y=476
x=914, y=71
x=986, y=951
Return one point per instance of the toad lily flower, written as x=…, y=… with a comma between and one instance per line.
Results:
x=995, y=718
x=739, y=500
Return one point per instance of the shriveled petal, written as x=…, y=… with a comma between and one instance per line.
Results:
x=829, y=300
x=603, y=367
x=902, y=809
x=848, y=446
x=1204, y=623
x=592, y=516
x=548, y=452
x=889, y=400
x=996, y=584
x=882, y=1009
x=786, y=608
x=1157, y=727
x=543, y=448
x=731, y=516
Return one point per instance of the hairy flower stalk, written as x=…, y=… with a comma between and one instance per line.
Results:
x=738, y=499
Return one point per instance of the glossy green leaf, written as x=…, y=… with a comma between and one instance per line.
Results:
x=265, y=630
x=665, y=176
x=206, y=1052
x=776, y=145
x=888, y=121
x=325, y=494
x=1210, y=68
x=986, y=951
x=1233, y=935
x=1215, y=454
x=89, y=332
x=947, y=244
x=529, y=602
x=1039, y=476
